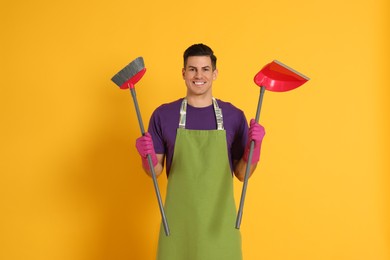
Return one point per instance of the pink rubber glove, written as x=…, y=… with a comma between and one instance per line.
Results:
x=256, y=133
x=145, y=146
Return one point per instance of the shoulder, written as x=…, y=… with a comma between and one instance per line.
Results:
x=168, y=108
x=230, y=109
x=233, y=117
x=164, y=121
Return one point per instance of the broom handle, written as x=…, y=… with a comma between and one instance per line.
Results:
x=157, y=190
x=248, y=165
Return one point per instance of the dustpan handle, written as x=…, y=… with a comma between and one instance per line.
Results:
x=248, y=165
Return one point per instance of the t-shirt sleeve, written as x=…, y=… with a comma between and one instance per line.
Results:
x=155, y=130
x=241, y=136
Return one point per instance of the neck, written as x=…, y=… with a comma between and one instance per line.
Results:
x=198, y=101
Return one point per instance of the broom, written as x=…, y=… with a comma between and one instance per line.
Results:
x=127, y=78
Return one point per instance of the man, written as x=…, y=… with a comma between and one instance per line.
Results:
x=203, y=141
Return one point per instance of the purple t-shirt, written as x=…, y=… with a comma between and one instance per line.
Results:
x=165, y=121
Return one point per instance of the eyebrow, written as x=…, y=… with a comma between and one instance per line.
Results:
x=204, y=67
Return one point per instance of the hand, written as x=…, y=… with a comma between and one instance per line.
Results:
x=144, y=145
x=256, y=134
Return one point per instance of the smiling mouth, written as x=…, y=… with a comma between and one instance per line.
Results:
x=199, y=83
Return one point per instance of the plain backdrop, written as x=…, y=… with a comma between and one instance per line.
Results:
x=72, y=186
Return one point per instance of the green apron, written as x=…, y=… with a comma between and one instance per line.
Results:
x=199, y=203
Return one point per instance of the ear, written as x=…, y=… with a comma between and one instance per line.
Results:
x=215, y=74
x=183, y=71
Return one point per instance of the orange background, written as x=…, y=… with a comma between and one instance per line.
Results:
x=72, y=186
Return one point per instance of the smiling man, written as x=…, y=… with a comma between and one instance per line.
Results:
x=204, y=142
x=199, y=75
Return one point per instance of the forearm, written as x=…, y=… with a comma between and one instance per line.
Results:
x=158, y=168
x=240, y=169
x=251, y=152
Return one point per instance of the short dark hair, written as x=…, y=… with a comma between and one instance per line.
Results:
x=200, y=50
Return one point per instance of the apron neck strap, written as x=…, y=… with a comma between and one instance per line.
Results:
x=217, y=111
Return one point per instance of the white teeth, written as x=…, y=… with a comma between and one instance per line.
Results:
x=199, y=83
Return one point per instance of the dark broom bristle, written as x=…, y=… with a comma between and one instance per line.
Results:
x=129, y=71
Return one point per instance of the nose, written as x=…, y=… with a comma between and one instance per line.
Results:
x=198, y=74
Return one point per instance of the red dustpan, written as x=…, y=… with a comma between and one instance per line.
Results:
x=278, y=77
x=275, y=77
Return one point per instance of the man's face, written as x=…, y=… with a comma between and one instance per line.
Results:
x=199, y=75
